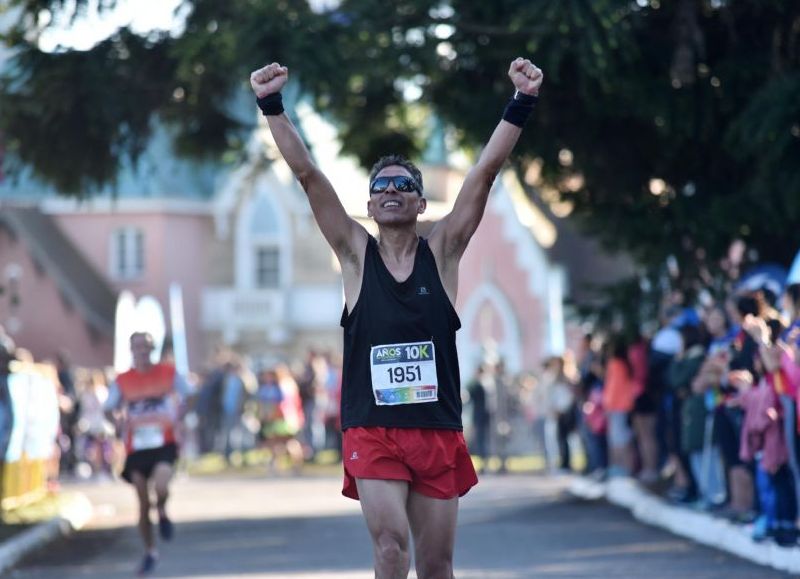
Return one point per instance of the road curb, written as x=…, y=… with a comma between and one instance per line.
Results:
x=699, y=527
x=74, y=515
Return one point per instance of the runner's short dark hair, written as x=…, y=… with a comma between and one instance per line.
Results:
x=146, y=335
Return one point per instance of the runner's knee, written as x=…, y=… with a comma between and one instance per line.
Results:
x=391, y=547
x=438, y=568
x=162, y=476
x=162, y=488
x=433, y=559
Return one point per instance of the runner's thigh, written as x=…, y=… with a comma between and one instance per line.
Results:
x=383, y=503
x=433, y=524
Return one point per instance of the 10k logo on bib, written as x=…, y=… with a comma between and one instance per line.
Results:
x=404, y=373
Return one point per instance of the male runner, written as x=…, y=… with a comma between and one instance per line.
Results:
x=149, y=397
x=403, y=451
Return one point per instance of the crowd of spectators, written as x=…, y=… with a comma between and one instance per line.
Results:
x=702, y=411
x=290, y=413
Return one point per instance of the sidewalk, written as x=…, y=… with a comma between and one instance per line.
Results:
x=699, y=527
x=73, y=512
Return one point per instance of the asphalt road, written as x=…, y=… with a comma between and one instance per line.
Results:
x=293, y=527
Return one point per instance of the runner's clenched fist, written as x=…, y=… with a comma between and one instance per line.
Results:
x=269, y=79
x=526, y=76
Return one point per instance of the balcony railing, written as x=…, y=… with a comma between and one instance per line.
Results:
x=228, y=308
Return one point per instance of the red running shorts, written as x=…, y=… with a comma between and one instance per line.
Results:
x=436, y=463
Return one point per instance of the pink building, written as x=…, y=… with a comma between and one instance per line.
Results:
x=53, y=298
x=255, y=272
x=62, y=268
x=143, y=246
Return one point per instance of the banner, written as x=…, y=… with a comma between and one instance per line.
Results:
x=34, y=405
x=178, y=329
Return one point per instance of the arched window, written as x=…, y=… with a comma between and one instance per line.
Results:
x=262, y=249
x=488, y=318
x=265, y=237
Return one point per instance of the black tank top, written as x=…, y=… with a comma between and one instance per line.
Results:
x=388, y=313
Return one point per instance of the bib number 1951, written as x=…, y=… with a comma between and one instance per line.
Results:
x=407, y=374
x=404, y=373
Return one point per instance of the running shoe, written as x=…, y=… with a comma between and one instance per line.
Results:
x=165, y=528
x=148, y=564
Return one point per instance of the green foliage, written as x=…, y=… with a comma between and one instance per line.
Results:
x=702, y=95
x=71, y=117
x=766, y=138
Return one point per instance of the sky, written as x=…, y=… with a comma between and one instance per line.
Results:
x=141, y=16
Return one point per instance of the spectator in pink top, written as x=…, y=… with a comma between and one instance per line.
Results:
x=763, y=439
x=789, y=379
x=791, y=339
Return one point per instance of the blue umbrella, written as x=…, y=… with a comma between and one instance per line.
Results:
x=768, y=276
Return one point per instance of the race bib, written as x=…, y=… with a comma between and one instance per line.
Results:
x=404, y=373
x=148, y=436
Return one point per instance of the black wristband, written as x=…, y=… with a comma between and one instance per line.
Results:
x=519, y=108
x=272, y=104
x=526, y=99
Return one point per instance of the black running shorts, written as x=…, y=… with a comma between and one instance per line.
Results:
x=144, y=461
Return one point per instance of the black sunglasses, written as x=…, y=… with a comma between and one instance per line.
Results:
x=401, y=183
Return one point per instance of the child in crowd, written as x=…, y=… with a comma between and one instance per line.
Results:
x=764, y=439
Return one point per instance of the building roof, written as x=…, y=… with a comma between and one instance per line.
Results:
x=79, y=283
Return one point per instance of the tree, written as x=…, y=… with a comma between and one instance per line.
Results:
x=672, y=127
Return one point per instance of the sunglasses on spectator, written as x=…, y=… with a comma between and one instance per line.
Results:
x=401, y=183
